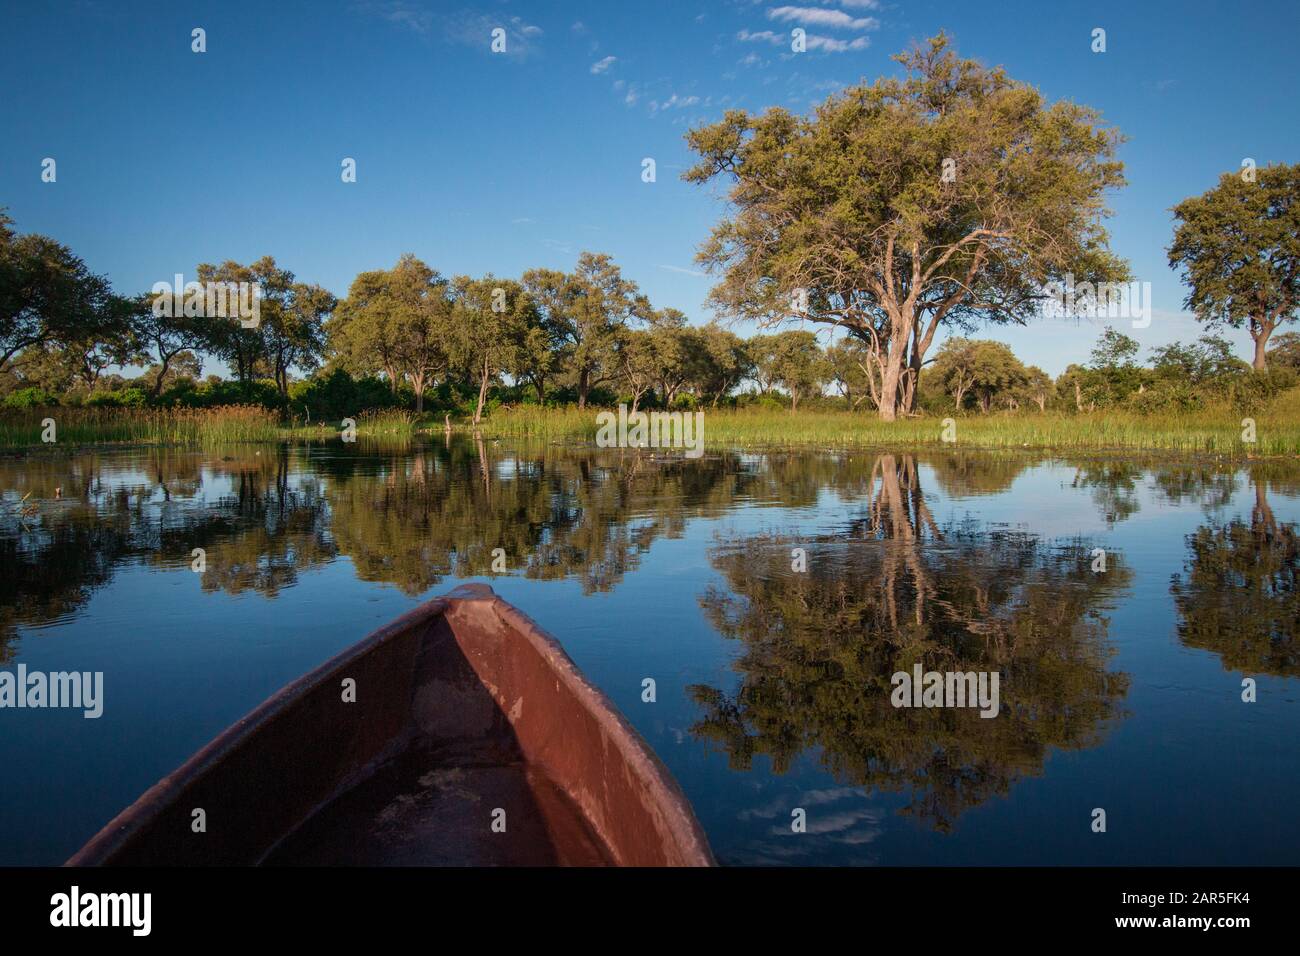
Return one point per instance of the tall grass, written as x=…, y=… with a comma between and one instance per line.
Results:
x=1207, y=432
x=373, y=423
x=394, y=422
x=226, y=424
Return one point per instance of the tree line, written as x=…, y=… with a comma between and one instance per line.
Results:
x=950, y=198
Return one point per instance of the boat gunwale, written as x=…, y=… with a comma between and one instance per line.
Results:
x=632, y=747
x=637, y=754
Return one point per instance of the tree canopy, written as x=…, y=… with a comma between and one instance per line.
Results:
x=952, y=195
x=1238, y=246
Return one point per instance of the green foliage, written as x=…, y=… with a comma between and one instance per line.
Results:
x=334, y=395
x=120, y=398
x=949, y=196
x=30, y=397
x=985, y=371
x=1238, y=246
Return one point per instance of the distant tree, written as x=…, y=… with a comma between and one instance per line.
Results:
x=848, y=362
x=48, y=295
x=677, y=351
x=950, y=196
x=1204, y=361
x=1285, y=351
x=362, y=335
x=985, y=369
x=161, y=339
x=1114, y=374
x=242, y=348
x=762, y=350
x=490, y=319
x=290, y=333
x=296, y=335
x=1238, y=246
x=1037, y=387
x=797, y=364
x=1072, y=381
x=591, y=307
x=540, y=353
x=999, y=375
x=638, y=363
x=726, y=362
x=954, y=368
x=397, y=321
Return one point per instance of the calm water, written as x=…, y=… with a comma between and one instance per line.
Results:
x=1120, y=690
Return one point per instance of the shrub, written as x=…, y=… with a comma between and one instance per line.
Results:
x=31, y=397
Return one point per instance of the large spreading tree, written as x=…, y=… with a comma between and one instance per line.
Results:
x=952, y=195
x=1239, y=248
x=49, y=297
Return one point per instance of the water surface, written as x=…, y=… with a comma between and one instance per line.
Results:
x=1120, y=689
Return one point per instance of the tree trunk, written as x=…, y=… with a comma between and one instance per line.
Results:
x=1261, y=344
x=889, y=384
x=900, y=334
x=482, y=393
x=584, y=388
x=162, y=371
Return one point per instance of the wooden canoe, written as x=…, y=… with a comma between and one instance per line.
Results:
x=467, y=719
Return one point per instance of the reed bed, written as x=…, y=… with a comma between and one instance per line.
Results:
x=225, y=424
x=1218, y=431
x=376, y=423
x=1207, y=432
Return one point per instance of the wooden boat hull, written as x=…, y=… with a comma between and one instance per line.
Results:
x=472, y=739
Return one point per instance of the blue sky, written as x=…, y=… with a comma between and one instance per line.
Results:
x=483, y=162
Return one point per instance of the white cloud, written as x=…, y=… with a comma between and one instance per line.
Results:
x=600, y=66
x=831, y=45
x=673, y=102
x=762, y=36
x=687, y=272
x=402, y=13
x=475, y=30
x=818, y=17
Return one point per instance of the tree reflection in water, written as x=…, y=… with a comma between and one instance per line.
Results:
x=1237, y=595
x=894, y=589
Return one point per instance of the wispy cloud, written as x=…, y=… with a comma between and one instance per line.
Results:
x=474, y=29
x=600, y=66
x=760, y=36
x=820, y=17
x=673, y=102
x=831, y=45
x=683, y=271
x=812, y=41
x=412, y=16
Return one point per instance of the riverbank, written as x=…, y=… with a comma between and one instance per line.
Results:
x=1220, y=432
